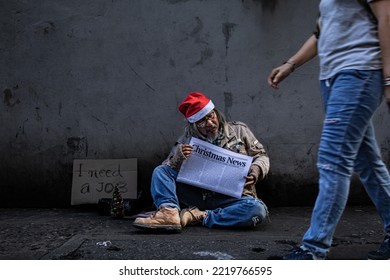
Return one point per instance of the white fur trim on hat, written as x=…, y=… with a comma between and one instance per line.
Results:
x=202, y=113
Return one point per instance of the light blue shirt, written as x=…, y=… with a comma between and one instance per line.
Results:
x=348, y=38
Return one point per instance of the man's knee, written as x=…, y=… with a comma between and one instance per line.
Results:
x=257, y=211
x=163, y=171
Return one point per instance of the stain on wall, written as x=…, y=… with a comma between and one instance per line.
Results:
x=228, y=104
x=77, y=145
x=270, y=5
x=9, y=100
x=227, y=30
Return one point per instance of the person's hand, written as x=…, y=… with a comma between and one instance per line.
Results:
x=278, y=74
x=186, y=149
x=249, y=180
x=387, y=97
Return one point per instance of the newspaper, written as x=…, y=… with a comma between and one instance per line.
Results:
x=216, y=169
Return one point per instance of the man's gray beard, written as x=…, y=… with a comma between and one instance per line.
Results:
x=212, y=138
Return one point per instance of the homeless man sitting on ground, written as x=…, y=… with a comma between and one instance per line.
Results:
x=209, y=208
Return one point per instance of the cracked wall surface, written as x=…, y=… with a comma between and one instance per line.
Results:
x=102, y=79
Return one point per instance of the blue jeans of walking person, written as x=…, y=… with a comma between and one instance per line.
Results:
x=222, y=210
x=348, y=144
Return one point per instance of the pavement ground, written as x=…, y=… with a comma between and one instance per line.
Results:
x=79, y=233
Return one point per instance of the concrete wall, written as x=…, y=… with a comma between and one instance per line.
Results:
x=102, y=79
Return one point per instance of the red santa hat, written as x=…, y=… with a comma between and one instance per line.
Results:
x=196, y=106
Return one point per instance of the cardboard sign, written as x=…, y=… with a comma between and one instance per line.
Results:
x=96, y=178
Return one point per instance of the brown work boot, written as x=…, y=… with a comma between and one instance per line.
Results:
x=191, y=216
x=165, y=218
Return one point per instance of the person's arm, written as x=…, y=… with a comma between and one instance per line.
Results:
x=381, y=10
x=304, y=54
x=260, y=162
x=178, y=154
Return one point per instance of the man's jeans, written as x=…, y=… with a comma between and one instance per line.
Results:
x=222, y=210
x=348, y=144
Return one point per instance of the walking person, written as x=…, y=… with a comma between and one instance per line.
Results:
x=353, y=46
